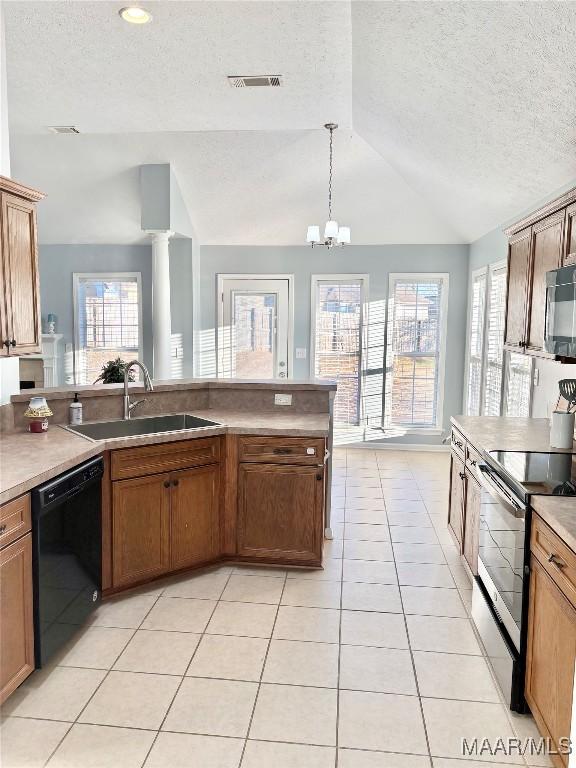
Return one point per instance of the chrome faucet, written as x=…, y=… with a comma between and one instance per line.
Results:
x=128, y=406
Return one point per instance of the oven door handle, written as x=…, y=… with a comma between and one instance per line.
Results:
x=498, y=491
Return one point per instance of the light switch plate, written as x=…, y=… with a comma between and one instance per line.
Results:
x=282, y=399
x=301, y=353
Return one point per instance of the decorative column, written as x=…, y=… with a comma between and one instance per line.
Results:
x=161, y=319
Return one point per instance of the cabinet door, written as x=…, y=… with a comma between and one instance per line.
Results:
x=194, y=516
x=570, y=236
x=21, y=300
x=518, y=269
x=280, y=512
x=456, y=509
x=140, y=528
x=16, y=621
x=546, y=255
x=472, y=522
x=550, y=657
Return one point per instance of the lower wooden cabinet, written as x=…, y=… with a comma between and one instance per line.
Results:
x=471, y=522
x=194, y=516
x=456, y=509
x=140, y=528
x=551, y=658
x=280, y=512
x=16, y=620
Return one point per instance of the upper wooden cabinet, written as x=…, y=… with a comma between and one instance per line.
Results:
x=518, y=269
x=546, y=248
x=20, y=321
x=541, y=242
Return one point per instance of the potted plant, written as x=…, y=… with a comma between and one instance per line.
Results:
x=113, y=372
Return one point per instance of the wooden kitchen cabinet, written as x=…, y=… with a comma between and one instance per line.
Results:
x=16, y=619
x=20, y=320
x=280, y=512
x=471, y=522
x=551, y=656
x=457, y=498
x=518, y=269
x=194, y=516
x=569, y=256
x=546, y=249
x=140, y=529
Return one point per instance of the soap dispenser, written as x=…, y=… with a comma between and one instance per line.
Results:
x=76, y=410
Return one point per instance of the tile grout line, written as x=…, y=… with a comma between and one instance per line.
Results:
x=183, y=678
x=75, y=722
x=262, y=672
x=411, y=653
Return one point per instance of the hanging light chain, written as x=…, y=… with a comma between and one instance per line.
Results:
x=330, y=177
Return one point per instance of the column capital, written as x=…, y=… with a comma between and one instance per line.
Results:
x=159, y=234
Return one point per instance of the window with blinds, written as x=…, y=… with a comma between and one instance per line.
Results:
x=518, y=384
x=107, y=320
x=337, y=343
x=485, y=341
x=415, y=351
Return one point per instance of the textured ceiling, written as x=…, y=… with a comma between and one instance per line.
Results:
x=455, y=115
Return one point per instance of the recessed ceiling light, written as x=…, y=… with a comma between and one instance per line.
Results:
x=135, y=15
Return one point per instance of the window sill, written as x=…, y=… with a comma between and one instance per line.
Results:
x=398, y=429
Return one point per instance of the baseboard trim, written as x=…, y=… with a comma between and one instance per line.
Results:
x=397, y=446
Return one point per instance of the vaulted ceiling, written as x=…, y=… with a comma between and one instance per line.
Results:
x=454, y=116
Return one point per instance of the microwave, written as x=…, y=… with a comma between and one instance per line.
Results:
x=560, y=330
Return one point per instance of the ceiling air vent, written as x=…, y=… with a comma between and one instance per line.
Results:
x=63, y=129
x=255, y=81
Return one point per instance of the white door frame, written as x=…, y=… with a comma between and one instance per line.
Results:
x=221, y=277
x=363, y=279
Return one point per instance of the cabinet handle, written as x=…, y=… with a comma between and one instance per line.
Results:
x=555, y=560
x=175, y=482
x=2, y=527
x=472, y=462
x=462, y=475
x=166, y=483
x=282, y=451
x=457, y=443
x=319, y=476
x=13, y=343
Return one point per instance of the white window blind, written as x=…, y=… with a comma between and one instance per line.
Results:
x=518, y=385
x=107, y=318
x=496, y=317
x=415, y=354
x=476, y=342
x=485, y=341
x=337, y=343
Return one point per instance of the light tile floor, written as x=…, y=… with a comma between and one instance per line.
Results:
x=369, y=663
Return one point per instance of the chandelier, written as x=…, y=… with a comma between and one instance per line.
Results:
x=333, y=234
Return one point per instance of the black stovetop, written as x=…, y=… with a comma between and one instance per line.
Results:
x=543, y=474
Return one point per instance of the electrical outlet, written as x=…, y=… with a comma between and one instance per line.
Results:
x=300, y=353
x=282, y=399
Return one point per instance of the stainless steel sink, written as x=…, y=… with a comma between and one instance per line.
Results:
x=150, y=425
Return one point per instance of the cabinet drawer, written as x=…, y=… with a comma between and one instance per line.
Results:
x=282, y=450
x=15, y=519
x=153, y=459
x=458, y=443
x=555, y=556
x=473, y=458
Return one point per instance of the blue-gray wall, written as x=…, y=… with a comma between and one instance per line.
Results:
x=376, y=261
x=59, y=262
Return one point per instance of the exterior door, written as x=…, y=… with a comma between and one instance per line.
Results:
x=194, y=516
x=253, y=328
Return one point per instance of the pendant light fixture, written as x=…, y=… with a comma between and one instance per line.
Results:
x=333, y=234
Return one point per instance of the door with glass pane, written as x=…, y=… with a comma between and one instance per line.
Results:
x=337, y=341
x=254, y=328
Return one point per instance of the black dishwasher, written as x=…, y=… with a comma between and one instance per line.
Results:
x=67, y=555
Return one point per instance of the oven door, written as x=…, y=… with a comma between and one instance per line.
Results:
x=501, y=550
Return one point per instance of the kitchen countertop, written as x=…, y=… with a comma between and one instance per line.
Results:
x=560, y=514
x=26, y=460
x=492, y=433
